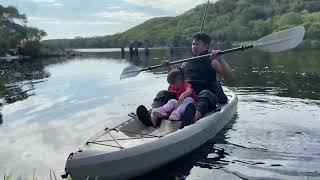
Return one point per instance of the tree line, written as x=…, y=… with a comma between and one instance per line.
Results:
x=227, y=21
x=14, y=31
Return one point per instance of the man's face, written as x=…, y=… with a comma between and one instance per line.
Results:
x=198, y=47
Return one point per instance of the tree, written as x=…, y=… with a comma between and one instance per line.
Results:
x=312, y=6
x=291, y=18
x=314, y=31
x=13, y=29
x=252, y=13
x=261, y=28
x=227, y=21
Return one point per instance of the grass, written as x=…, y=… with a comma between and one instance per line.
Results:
x=52, y=176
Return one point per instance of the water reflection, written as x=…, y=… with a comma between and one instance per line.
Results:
x=262, y=142
x=17, y=79
x=208, y=156
x=78, y=98
x=53, y=105
x=291, y=74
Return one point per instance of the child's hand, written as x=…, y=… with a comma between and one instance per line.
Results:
x=181, y=98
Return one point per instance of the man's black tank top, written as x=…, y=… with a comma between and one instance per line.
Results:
x=199, y=72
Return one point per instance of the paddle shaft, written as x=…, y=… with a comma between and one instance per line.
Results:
x=240, y=48
x=275, y=42
x=204, y=16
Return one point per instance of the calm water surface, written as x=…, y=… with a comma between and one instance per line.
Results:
x=52, y=106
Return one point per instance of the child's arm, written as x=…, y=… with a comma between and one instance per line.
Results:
x=187, y=93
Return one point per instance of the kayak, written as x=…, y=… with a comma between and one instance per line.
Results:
x=131, y=149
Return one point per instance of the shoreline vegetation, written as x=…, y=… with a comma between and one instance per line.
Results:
x=19, y=41
x=52, y=176
x=228, y=22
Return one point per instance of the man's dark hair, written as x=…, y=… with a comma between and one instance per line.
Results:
x=204, y=37
x=174, y=74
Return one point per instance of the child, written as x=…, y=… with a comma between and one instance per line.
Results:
x=185, y=95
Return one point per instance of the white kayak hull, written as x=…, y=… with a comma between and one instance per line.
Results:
x=136, y=160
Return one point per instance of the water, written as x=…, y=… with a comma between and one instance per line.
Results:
x=52, y=106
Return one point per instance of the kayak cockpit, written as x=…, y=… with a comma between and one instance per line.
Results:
x=128, y=134
x=132, y=133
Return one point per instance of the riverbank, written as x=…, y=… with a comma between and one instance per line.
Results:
x=46, y=52
x=306, y=44
x=43, y=53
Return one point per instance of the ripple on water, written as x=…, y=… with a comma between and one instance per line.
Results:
x=274, y=137
x=275, y=134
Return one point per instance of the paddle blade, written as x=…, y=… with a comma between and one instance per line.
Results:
x=130, y=71
x=282, y=40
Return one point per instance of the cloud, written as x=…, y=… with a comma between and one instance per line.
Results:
x=176, y=6
x=124, y=16
x=53, y=3
x=113, y=7
x=49, y=20
x=95, y=23
x=57, y=4
x=42, y=1
x=43, y=20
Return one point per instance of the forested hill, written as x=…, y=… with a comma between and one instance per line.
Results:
x=227, y=21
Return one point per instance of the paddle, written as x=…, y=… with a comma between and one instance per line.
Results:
x=275, y=42
x=204, y=16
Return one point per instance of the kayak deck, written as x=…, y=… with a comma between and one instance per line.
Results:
x=129, y=134
x=113, y=153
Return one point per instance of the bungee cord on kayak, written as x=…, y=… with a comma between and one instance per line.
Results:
x=116, y=140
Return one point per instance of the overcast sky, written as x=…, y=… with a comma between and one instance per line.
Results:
x=71, y=18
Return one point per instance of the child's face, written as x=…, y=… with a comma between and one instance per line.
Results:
x=177, y=83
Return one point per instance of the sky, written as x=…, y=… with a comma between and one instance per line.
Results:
x=87, y=18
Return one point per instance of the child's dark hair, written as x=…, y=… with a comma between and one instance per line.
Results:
x=175, y=74
x=204, y=37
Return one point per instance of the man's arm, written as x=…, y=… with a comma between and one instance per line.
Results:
x=221, y=66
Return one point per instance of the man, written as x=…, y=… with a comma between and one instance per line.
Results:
x=201, y=74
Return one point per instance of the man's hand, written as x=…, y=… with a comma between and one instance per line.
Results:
x=215, y=55
x=220, y=65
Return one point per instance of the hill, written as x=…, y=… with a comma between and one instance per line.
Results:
x=227, y=21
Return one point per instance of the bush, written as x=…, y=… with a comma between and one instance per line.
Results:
x=32, y=49
x=314, y=31
x=291, y=18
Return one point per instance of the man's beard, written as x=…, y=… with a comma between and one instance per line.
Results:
x=203, y=53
